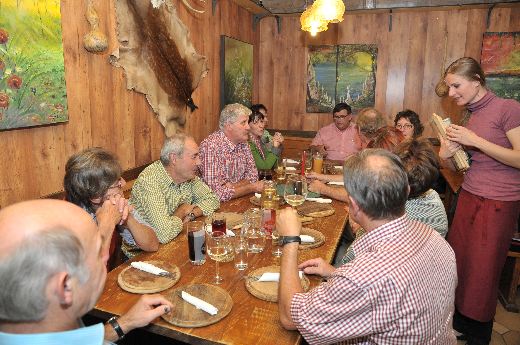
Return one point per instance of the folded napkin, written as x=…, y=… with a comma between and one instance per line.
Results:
x=320, y=200
x=338, y=166
x=291, y=161
x=273, y=276
x=200, y=304
x=258, y=195
x=290, y=169
x=144, y=266
x=307, y=239
x=230, y=233
x=337, y=183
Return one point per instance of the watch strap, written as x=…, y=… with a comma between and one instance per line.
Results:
x=290, y=239
x=115, y=325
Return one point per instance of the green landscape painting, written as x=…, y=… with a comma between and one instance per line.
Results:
x=343, y=73
x=32, y=72
x=504, y=86
x=236, y=72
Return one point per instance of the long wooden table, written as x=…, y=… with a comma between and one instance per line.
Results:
x=251, y=321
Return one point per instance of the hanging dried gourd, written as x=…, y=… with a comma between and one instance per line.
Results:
x=94, y=41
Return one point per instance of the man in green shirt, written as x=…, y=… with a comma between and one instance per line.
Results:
x=168, y=193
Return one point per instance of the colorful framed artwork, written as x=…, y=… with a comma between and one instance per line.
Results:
x=236, y=72
x=342, y=73
x=32, y=72
x=500, y=60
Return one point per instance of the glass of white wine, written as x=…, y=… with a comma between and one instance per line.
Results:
x=295, y=190
x=217, y=247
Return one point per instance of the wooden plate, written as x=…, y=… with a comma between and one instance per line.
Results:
x=319, y=239
x=316, y=210
x=268, y=291
x=185, y=314
x=136, y=281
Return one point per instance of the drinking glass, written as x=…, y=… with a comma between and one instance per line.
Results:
x=196, y=242
x=253, y=231
x=277, y=249
x=280, y=169
x=218, y=223
x=295, y=190
x=317, y=164
x=240, y=253
x=308, y=161
x=217, y=247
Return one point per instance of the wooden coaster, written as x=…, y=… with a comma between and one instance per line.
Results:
x=233, y=220
x=319, y=239
x=137, y=281
x=185, y=314
x=268, y=291
x=316, y=210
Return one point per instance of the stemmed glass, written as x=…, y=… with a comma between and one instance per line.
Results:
x=295, y=190
x=217, y=247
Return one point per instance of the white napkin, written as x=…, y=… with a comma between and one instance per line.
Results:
x=290, y=169
x=200, y=304
x=144, y=266
x=320, y=200
x=273, y=276
x=258, y=195
x=337, y=183
x=230, y=233
x=291, y=161
x=338, y=166
x=307, y=239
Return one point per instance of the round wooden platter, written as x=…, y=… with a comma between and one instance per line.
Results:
x=136, y=281
x=268, y=291
x=315, y=210
x=319, y=239
x=185, y=314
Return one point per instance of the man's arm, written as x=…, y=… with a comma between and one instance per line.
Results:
x=203, y=198
x=245, y=187
x=338, y=193
x=150, y=202
x=147, y=309
x=144, y=236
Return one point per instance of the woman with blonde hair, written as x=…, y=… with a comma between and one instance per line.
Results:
x=489, y=202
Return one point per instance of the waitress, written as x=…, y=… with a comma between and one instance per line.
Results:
x=489, y=202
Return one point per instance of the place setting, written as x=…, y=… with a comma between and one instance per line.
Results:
x=145, y=277
x=263, y=283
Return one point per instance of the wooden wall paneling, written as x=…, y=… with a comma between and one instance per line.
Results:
x=397, y=60
x=381, y=37
x=265, y=79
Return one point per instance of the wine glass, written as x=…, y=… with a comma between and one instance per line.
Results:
x=295, y=190
x=217, y=248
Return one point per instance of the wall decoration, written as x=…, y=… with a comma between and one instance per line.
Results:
x=159, y=59
x=342, y=73
x=32, y=72
x=500, y=60
x=94, y=41
x=236, y=72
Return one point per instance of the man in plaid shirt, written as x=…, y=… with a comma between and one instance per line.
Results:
x=228, y=167
x=399, y=289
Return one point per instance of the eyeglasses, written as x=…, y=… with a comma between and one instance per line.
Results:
x=406, y=125
x=337, y=117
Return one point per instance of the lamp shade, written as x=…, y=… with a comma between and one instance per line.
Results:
x=310, y=21
x=330, y=10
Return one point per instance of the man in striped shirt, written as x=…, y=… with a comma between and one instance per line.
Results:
x=400, y=287
x=228, y=166
x=168, y=193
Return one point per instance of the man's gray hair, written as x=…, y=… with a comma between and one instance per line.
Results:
x=26, y=272
x=380, y=188
x=173, y=144
x=231, y=112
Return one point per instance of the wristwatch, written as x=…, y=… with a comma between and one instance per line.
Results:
x=289, y=239
x=113, y=322
x=191, y=216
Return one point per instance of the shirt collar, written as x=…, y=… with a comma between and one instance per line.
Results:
x=229, y=146
x=372, y=238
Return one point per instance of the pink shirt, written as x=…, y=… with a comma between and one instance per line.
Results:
x=338, y=144
x=400, y=289
x=491, y=118
x=224, y=162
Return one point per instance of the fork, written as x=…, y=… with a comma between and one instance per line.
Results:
x=168, y=275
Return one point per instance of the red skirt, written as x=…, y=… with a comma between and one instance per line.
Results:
x=480, y=237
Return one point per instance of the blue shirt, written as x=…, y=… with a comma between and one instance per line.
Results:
x=92, y=335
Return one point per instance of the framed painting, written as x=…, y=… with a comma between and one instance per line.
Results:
x=342, y=73
x=236, y=72
x=32, y=72
x=500, y=60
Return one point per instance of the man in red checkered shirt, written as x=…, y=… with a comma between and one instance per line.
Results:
x=228, y=167
x=399, y=289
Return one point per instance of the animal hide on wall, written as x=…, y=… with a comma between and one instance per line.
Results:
x=158, y=58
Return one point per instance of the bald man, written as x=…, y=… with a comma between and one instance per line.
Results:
x=52, y=269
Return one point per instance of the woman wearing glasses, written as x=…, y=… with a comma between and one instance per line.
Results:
x=489, y=201
x=407, y=121
x=93, y=182
x=265, y=158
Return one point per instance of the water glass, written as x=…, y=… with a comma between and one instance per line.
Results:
x=241, y=253
x=252, y=230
